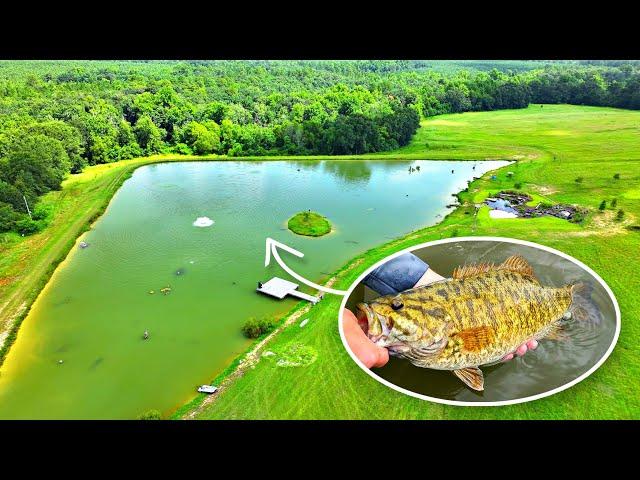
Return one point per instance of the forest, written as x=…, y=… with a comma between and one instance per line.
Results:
x=58, y=117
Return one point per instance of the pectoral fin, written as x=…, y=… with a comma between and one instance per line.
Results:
x=472, y=377
x=558, y=333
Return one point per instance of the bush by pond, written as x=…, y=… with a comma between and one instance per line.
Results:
x=255, y=327
x=26, y=226
x=309, y=223
x=150, y=415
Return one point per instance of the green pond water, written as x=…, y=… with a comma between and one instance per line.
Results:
x=92, y=314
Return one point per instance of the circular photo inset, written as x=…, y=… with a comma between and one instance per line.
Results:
x=479, y=321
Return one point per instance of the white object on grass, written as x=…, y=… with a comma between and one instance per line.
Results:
x=502, y=214
x=207, y=389
x=304, y=322
x=203, y=222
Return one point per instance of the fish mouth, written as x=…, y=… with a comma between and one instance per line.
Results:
x=364, y=315
x=367, y=319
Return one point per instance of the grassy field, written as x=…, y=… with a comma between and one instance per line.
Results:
x=555, y=145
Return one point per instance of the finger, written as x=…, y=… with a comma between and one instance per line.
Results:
x=532, y=344
x=521, y=350
x=508, y=357
x=383, y=357
x=370, y=354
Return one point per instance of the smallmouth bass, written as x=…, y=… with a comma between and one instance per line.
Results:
x=476, y=318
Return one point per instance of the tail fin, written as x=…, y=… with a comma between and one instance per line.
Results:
x=583, y=308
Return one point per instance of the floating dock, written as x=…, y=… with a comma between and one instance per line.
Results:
x=280, y=288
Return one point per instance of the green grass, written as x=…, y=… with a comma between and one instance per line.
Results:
x=553, y=145
x=310, y=224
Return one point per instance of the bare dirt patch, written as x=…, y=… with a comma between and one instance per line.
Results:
x=542, y=190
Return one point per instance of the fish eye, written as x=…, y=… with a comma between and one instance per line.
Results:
x=397, y=304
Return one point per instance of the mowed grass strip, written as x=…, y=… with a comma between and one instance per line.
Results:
x=555, y=144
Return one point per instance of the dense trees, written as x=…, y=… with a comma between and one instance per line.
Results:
x=57, y=117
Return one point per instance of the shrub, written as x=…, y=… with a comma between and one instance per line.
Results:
x=26, y=226
x=182, y=149
x=42, y=211
x=616, y=176
x=620, y=215
x=8, y=217
x=603, y=205
x=579, y=179
x=517, y=185
x=150, y=415
x=614, y=203
x=578, y=217
x=256, y=327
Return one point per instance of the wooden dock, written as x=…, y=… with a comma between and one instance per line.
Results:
x=280, y=288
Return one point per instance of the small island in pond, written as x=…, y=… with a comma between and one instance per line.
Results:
x=309, y=223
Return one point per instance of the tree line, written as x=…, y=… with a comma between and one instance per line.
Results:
x=58, y=117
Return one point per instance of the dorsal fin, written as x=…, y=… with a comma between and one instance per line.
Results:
x=517, y=264
x=472, y=270
x=514, y=263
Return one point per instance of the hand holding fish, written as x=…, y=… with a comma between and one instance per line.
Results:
x=373, y=354
x=484, y=314
x=367, y=352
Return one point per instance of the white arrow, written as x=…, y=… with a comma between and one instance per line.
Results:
x=272, y=249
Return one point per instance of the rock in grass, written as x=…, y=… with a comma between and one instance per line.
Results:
x=309, y=223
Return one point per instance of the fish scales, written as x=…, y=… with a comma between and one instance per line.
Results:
x=482, y=314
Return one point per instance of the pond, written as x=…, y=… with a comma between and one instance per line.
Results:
x=80, y=353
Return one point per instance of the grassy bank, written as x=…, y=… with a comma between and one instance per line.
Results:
x=555, y=145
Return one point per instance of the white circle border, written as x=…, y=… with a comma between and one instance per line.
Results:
x=482, y=404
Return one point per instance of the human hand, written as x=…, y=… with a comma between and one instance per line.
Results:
x=364, y=349
x=521, y=350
